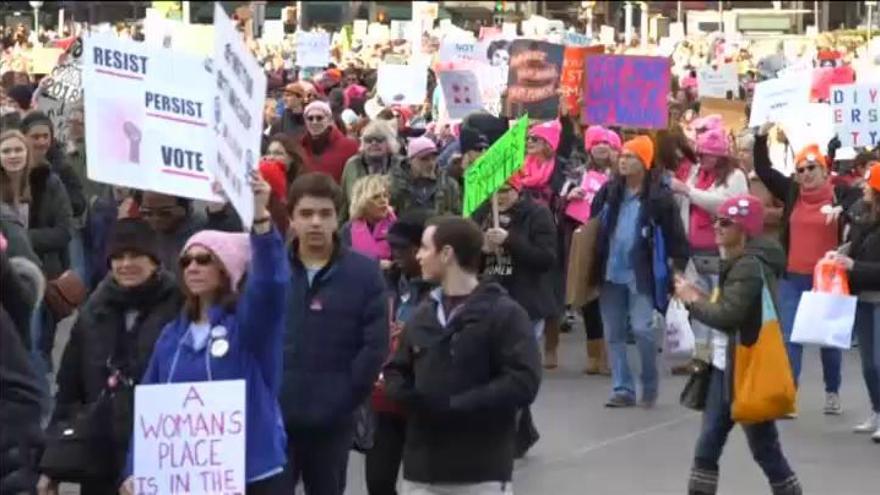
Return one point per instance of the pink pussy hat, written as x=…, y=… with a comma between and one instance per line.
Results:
x=233, y=251
x=744, y=210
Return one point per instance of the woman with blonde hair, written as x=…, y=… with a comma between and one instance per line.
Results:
x=371, y=217
x=379, y=154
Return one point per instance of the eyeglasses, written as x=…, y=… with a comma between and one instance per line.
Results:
x=164, y=213
x=374, y=140
x=807, y=168
x=723, y=222
x=315, y=118
x=202, y=259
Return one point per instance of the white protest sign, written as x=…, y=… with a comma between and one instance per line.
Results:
x=400, y=30
x=606, y=35
x=378, y=33
x=575, y=39
x=508, y=29
x=856, y=114
x=775, y=97
x=359, y=30
x=273, y=31
x=144, y=129
x=461, y=93
x=312, y=49
x=811, y=123
x=676, y=31
x=190, y=438
x=402, y=84
x=457, y=51
x=238, y=114
x=716, y=82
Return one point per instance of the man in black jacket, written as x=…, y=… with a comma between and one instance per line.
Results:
x=468, y=360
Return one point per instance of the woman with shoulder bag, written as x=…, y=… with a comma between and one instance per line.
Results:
x=109, y=348
x=748, y=262
x=231, y=328
x=863, y=264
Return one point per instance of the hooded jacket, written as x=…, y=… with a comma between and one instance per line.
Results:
x=865, y=252
x=100, y=336
x=462, y=383
x=523, y=265
x=442, y=195
x=254, y=331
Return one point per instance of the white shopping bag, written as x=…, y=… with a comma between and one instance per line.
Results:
x=679, y=336
x=824, y=319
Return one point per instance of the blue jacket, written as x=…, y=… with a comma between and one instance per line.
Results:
x=254, y=332
x=336, y=339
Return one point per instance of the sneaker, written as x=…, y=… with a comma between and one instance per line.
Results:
x=648, y=402
x=620, y=400
x=871, y=425
x=832, y=404
x=876, y=436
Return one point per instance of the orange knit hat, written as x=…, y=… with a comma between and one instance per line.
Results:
x=642, y=147
x=873, y=176
x=811, y=152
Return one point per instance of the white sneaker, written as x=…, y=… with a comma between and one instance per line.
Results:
x=832, y=404
x=876, y=436
x=871, y=425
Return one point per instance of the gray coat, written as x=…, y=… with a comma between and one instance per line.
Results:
x=50, y=222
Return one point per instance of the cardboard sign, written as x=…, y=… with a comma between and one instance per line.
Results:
x=190, y=437
x=733, y=112
x=533, y=79
x=812, y=123
x=715, y=82
x=572, y=81
x=460, y=51
x=495, y=167
x=61, y=91
x=461, y=93
x=43, y=60
x=775, y=97
x=238, y=114
x=144, y=129
x=579, y=209
x=626, y=91
x=855, y=110
x=312, y=49
x=402, y=84
x=606, y=35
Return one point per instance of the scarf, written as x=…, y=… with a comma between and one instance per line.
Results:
x=535, y=176
x=700, y=231
x=809, y=237
x=372, y=241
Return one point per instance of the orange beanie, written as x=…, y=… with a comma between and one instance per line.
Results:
x=811, y=152
x=642, y=147
x=873, y=176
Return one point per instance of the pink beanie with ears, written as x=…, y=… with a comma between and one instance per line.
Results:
x=548, y=131
x=746, y=211
x=596, y=134
x=231, y=249
x=713, y=142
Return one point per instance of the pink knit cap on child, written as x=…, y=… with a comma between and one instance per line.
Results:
x=548, y=131
x=713, y=142
x=744, y=210
x=232, y=250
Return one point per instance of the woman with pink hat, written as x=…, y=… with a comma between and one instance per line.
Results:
x=700, y=189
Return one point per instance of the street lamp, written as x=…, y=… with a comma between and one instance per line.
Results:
x=36, y=6
x=870, y=6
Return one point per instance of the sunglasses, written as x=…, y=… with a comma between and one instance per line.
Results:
x=164, y=213
x=315, y=118
x=808, y=168
x=202, y=259
x=724, y=222
x=374, y=140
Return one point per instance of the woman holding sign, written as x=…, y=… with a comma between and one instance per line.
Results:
x=231, y=329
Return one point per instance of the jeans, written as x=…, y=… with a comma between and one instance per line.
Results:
x=319, y=456
x=383, y=460
x=791, y=286
x=867, y=328
x=763, y=438
x=489, y=488
x=619, y=305
x=79, y=262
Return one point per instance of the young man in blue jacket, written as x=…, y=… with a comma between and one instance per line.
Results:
x=336, y=339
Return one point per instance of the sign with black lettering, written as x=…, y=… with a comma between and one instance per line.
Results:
x=148, y=125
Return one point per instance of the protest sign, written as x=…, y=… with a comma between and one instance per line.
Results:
x=457, y=51
x=572, y=80
x=402, y=84
x=626, y=90
x=359, y=29
x=533, y=79
x=508, y=29
x=43, y=60
x=144, y=129
x=312, y=49
x=400, y=30
x=190, y=437
x=716, y=82
x=810, y=123
x=676, y=31
x=273, y=31
x=378, y=33
x=732, y=112
x=825, y=77
x=489, y=32
x=606, y=35
x=571, y=38
x=61, y=91
x=775, y=97
x=461, y=93
x=855, y=110
x=495, y=166
x=238, y=114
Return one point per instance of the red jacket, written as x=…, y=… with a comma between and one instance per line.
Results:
x=332, y=160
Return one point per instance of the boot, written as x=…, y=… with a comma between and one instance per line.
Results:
x=597, y=360
x=551, y=344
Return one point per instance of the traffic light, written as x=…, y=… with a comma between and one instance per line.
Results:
x=500, y=6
